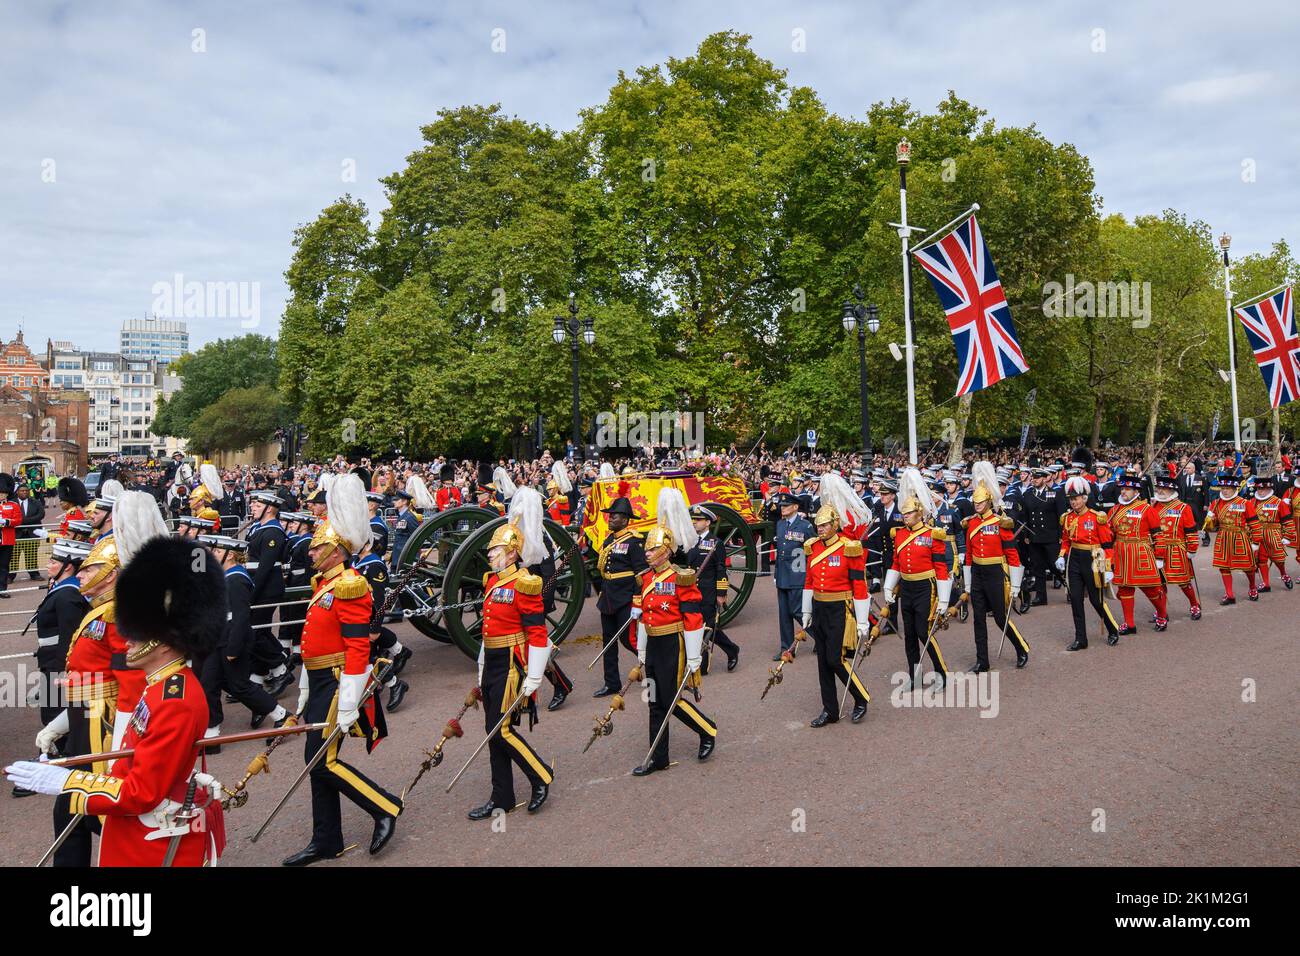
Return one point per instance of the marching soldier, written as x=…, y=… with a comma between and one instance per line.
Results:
x=447, y=495
x=404, y=524
x=266, y=553
x=383, y=642
x=168, y=612
x=670, y=632
x=486, y=491
x=511, y=664
x=1276, y=527
x=707, y=559
x=835, y=612
x=378, y=526
x=229, y=666
x=539, y=557
x=1042, y=522
x=619, y=562
x=1177, y=541
x=793, y=530
x=559, y=504
x=298, y=526
x=335, y=675
x=72, y=498
x=1237, y=523
x=918, y=574
x=991, y=561
x=1135, y=525
x=1085, y=539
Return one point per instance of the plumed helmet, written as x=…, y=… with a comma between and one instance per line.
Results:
x=109, y=489
x=73, y=491
x=103, y=558
x=508, y=536
x=836, y=491
x=607, y=470
x=673, y=514
x=136, y=521
x=211, y=480
x=984, y=480
x=526, y=514
x=560, y=475
x=348, y=520
x=826, y=514
x=165, y=595
x=1076, y=485
x=913, y=494
x=501, y=478
x=419, y=493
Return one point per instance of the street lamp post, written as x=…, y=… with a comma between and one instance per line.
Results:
x=864, y=318
x=574, y=328
x=1225, y=241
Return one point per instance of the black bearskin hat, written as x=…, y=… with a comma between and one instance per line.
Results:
x=447, y=473
x=160, y=596
x=7, y=483
x=1082, y=457
x=71, y=489
x=484, y=476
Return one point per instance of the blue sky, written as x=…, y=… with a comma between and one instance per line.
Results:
x=127, y=157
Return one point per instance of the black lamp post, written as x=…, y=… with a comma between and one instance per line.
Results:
x=572, y=327
x=864, y=318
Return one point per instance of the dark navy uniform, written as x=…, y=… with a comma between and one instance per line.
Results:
x=620, y=560
x=404, y=525
x=266, y=554
x=57, y=617
x=237, y=641
x=298, y=572
x=707, y=558
x=1042, y=535
x=791, y=565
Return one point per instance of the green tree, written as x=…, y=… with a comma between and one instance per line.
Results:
x=239, y=418
x=243, y=362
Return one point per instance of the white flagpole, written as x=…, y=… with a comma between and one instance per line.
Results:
x=1225, y=241
x=903, y=154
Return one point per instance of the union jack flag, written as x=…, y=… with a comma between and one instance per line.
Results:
x=1270, y=328
x=963, y=276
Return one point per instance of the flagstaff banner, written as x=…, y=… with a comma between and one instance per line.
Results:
x=1270, y=329
x=962, y=273
x=643, y=492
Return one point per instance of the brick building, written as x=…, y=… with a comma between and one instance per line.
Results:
x=49, y=425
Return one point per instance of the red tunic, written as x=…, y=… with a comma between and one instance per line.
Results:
x=337, y=625
x=447, y=498
x=1177, y=540
x=513, y=608
x=1276, y=522
x=1084, y=531
x=919, y=553
x=1238, y=527
x=558, y=509
x=12, y=516
x=165, y=728
x=835, y=567
x=74, y=514
x=990, y=539
x=670, y=601
x=1135, y=526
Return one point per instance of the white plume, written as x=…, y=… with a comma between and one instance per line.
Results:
x=912, y=485
x=561, y=476
x=345, y=503
x=501, y=478
x=607, y=470
x=327, y=480
x=676, y=517
x=111, y=488
x=136, y=521
x=211, y=480
x=1078, y=485
x=983, y=473
x=835, y=491
x=526, y=514
x=419, y=492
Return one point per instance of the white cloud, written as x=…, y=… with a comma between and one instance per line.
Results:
x=1219, y=89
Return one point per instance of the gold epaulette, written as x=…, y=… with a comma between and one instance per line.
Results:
x=528, y=583
x=852, y=548
x=1006, y=522
x=685, y=576
x=486, y=575
x=808, y=545
x=110, y=613
x=351, y=585
x=938, y=534
x=1102, y=516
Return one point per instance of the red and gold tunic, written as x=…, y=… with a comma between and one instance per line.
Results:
x=91, y=681
x=1292, y=497
x=447, y=498
x=1084, y=531
x=836, y=569
x=557, y=509
x=1238, y=527
x=1135, y=526
x=513, y=612
x=670, y=601
x=1276, y=521
x=990, y=539
x=11, y=514
x=72, y=514
x=920, y=553
x=336, y=632
x=1177, y=540
x=141, y=791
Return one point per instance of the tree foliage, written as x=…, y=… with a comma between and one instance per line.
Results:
x=241, y=417
x=247, y=361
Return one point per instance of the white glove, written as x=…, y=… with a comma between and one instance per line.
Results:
x=1060, y=564
x=862, y=611
x=636, y=613
x=1017, y=575
x=480, y=665
x=50, y=734
x=961, y=557
x=965, y=576
x=120, y=721
x=694, y=650
x=807, y=608
x=640, y=642
x=302, y=691
x=537, y=658
x=944, y=589
x=892, y=580
x=1160, y=565
x=40, y=533
x=350, y=688
x=1110, y=576
x=38, y=777
x=205, y=781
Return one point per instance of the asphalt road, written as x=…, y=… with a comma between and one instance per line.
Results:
x=1169, y=749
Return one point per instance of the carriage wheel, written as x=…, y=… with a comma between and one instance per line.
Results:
x=464, y=584
x=435, y=541
x=740, y=558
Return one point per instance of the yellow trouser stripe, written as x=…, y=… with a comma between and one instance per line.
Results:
x=518, y=743
x=1016, y=635
x=862, y=689
x=1111, y=617
x=345, y=773
x=695, y=717
x=938, y=654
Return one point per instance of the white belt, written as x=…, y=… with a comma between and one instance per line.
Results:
x=252, y=566
x=47, y=641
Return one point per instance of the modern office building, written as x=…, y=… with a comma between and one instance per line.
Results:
x=162, y=340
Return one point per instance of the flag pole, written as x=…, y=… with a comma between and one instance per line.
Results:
x=903, y=154
x=1259, y=298
x=1225, y=241
x=974, y=208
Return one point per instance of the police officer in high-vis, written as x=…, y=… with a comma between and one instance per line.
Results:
x=792, y=530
